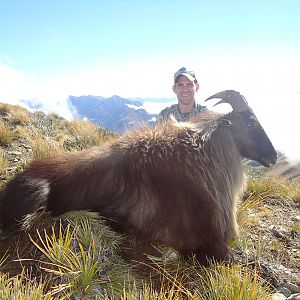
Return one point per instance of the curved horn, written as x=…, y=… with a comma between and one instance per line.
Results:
x=234, y=98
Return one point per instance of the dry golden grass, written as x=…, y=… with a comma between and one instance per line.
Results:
x=17, y=114
x=41, y=145
x=250, y=211
x=86, y=133
x=24, y=132
x=21, y=117
x=236, y=282
x=273, y=188
x=44, y=147
x=22, y=288
x=5, y=107
x=6, y=135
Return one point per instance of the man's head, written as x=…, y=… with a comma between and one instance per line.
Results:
x=185, y=86
x=187, y=73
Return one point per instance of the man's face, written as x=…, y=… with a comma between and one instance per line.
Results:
x=185, y=90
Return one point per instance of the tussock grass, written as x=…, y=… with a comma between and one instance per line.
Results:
x=86, y=135
x=22, y=288
x=278, y=188
x=5, y=107
x=20, y=117
x=295, y=227
x=236, y=282
x=43, y=147
x=17, y=114
x=6, y=135
x=41, y=144
x=188, y=280
x=250, y=211
x=81, y=258
x=149, y=292
x=25, y=132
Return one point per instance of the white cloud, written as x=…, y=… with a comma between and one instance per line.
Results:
x=12, y=82
x=134, y=106
x=156, y=107
x=17, y=85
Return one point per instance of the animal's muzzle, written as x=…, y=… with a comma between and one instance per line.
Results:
x=269, y=161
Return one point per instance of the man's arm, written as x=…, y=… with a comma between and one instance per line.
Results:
x=163, y=116
x=159, y=119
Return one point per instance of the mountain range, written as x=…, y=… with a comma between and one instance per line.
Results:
x=115, y=113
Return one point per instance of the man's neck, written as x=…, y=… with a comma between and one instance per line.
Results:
x=185, y=109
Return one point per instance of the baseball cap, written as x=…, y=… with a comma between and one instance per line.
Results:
x=184, y=72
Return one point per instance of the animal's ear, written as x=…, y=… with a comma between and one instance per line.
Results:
x=224, y=122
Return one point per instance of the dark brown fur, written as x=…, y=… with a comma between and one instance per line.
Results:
x=175, y=184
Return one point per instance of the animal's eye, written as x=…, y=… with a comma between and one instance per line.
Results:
x=250, y=124
x=225, y=122
x=252, y=121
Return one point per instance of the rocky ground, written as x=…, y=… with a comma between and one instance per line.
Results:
x=275, y=246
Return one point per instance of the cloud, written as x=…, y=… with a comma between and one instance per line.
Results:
x=17, y=85
x=13, y=83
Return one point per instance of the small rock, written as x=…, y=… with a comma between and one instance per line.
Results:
x=296, y=218
x=25, y=146
x=294, y=297
x=6, y=117
x=278, y=231
x=14, y=152
x=169, y=254
x=293, y=288
x=278, y=296
x=285, y=291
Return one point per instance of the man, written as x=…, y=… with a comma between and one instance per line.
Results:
x=185, y=87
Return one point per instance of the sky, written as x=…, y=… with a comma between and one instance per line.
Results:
x=51, y=49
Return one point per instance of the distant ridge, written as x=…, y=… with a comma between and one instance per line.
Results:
x=115, y=113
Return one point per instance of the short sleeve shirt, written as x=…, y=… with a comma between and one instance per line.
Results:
x=165, y=114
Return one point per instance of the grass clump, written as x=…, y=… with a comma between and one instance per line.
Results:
x=237, y=282
x=295, y=227
x=44, y=147
x=85, y=135
x=147, y=291
x=5, y=107
x=80, y=259
x=20, y=116
x=16, y=114
x=267, y=187
x=22, y=288
x=6, y=135
x=41, y=144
